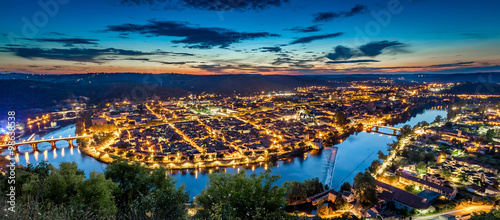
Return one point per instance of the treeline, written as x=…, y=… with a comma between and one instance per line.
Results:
x=131, y=191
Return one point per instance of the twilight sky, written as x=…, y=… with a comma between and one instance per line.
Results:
x=250, y=36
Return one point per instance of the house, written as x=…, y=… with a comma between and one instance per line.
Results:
x=491, y=191
x=473, y=188
x=402, y=199
x=447, y=192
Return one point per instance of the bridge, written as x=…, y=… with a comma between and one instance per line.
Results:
x=52, y=142
x=375, y=128
x=65, y=114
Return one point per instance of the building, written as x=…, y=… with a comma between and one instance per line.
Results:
x=402, y=199
x=447, y=192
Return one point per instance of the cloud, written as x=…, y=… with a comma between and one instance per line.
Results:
x=76, y=54
x=271, y=49
x=68, y=42
x=451, y=65
x=56, y=33
x=353, y=61
x=309, y=39
x=371, y=49
x=194, y=37
x=341, y=53
x=314, y=28
x=330, y=16
x=375, y=48
x=209, y=5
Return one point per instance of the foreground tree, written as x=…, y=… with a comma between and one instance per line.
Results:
x=46, y=192
x=365, y=188
x=238, y=196
x=346, y=187
x=145, y=194
x=296, y=191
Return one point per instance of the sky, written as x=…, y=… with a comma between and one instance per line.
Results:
x=250, y=36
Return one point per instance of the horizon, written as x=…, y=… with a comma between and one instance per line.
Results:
x=282, y=37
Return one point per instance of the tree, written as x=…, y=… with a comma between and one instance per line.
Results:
x=96, y=193
x=374, y=166
x=296, y=191
x=346, y=187
x=438, y=119
x=490, y=134
x=340, y=118
x=238, y=196
x=62, y=193
x=381, y=155
x=463, y=177
x=422, y=167
x=430, y=157
x=365, y=188
x=405, y=131
x=493, y=214
x=144, y=190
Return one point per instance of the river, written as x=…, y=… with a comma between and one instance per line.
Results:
x=354, y=155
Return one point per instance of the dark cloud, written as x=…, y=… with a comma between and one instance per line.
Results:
x=68, y=42
x=340, y=53
x=209, y=5
x=474, y=35
x=371, y=49
x=271, y=49
x=330, y=16
x=426, y=68
x=353, y=61
x=314, y=28
x=56, y=33
x=195, y=37
x=279, y=61
x=309, y=39
x=301, y=63
x=375, y=48
x=219, y=68
x=451, y=64
x=74, y=54
x=171, y=63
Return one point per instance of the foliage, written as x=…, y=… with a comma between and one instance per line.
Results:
x=438, y=119
x=494, y=214
x=490, y=134
x=60, y=193
x=340, y=118
x=365, y=188
x=297, y=191
x=238, y=196
x=140, y=191
x=346, y=187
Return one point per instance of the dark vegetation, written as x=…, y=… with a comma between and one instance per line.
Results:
x=131, y=191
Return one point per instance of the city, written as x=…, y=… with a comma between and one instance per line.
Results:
x=225, y=110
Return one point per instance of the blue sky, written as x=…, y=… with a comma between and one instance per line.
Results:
x=250, y=37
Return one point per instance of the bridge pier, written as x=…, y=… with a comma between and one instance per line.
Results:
x=35, y=147
x=395, y=132
x=53, y=145
x=70, y=143
x=376, y=128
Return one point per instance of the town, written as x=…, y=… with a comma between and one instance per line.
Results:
x=447, y=165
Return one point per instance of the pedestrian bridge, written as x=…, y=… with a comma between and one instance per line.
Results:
x=52, y=142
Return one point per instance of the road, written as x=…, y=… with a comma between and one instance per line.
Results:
x=458, y=212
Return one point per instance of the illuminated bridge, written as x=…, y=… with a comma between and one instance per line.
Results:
x=375, y=128
x=52, y=142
